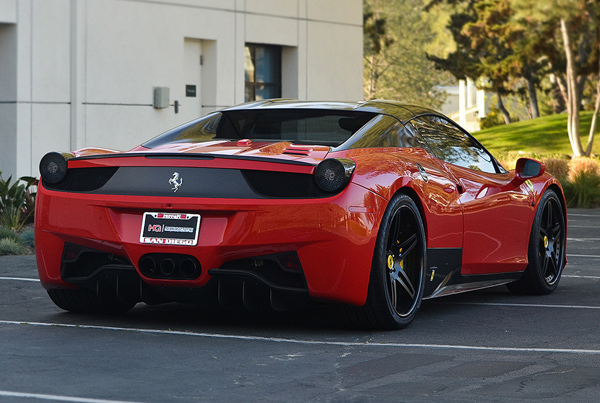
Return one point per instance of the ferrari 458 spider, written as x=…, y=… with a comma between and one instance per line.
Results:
x=371, y=205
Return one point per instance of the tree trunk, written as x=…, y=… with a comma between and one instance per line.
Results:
x=588, y=150
x=533, y=101
x=373, y=81
x=580, y=87
x=558, y=99
x=590, y=143
x=573, y=101
x=502, y=109
x=562, y=86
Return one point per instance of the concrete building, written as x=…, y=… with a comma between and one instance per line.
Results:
x=113, y=73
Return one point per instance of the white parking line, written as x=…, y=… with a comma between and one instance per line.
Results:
x=583, y=239
x=57, y=398
x=36, y=280
x=310, y=342
x=524, y=305
x=579, y=276
x=592, y=256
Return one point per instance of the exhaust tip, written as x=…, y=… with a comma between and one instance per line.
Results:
x=147, y=266
x=167, y=267
x=188, y=268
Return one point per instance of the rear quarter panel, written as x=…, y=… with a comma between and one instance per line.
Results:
x=387, y=171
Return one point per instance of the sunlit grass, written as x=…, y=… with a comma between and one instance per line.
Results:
x=545, y=135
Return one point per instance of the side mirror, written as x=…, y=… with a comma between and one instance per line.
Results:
x=527, y=169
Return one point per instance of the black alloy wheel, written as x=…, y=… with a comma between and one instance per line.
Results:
x=398, y=270
x=546, y=249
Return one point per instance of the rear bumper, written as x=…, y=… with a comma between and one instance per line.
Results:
x=333, y=237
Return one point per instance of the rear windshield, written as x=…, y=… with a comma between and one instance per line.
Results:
x=320, y=127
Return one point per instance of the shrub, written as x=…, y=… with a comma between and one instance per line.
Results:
x=559, y=168
x=579, y=176
x=17, y=201
x=586, y=165
x=509, y=159
x=9, y=246
x=583, y=186
x=28, y=237
x=583, y=190
x=8, y=233
x=493, y=118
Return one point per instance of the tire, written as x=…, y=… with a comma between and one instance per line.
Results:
x=396, y=282
x=84, y=300
x=546, y=249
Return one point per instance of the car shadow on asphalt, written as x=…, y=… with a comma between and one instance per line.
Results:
x=323, y=318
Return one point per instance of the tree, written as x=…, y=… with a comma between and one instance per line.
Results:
x=491, y=46
x=472, y=58
x=575, y=27
x=376, y=44
x=396, y=34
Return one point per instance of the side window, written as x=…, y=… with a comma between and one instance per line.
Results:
x=385, y=131
x=410, y=137
x=453, y=145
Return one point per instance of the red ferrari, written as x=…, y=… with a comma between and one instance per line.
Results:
x=375, y=205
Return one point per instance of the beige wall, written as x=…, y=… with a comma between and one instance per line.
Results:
x=79, y=73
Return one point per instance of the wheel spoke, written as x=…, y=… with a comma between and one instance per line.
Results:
x=404, y=280
x=550, y=215
x=407, y=246
x=556, y=231
x=393, y=292
x=545, y=262
x=550, y=270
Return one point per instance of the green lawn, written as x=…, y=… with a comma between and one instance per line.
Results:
x=545, y=135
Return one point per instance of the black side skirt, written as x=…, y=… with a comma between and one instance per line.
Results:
x=443, y=277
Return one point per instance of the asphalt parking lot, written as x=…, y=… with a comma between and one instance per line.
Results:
x=482, y=346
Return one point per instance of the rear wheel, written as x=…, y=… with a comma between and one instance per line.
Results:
x=397, y=274
x=546, y=249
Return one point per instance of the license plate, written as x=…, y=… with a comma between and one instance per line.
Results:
x=170, y=229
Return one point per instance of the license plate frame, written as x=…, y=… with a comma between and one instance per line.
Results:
x=160, y=228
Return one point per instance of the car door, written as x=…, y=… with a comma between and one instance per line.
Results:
x=496, y=214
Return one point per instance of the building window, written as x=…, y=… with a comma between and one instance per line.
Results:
x=263, y=72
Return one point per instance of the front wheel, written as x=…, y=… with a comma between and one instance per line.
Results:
x=546, y=249
x=398, y=269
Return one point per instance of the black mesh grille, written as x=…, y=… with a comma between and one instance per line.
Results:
x=84, y=179
x=196, y=182
x=284, y=184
